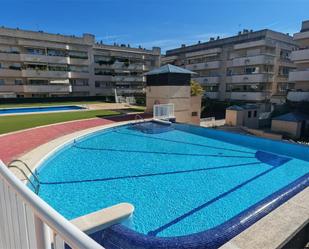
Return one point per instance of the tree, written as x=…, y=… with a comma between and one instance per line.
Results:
x=196, y=88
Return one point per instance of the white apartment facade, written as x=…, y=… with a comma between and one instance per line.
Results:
x=299, y=78
x=252, y=66
x=38, y=64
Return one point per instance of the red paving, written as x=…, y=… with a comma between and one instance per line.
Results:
x=14, y=145
x=19, y=143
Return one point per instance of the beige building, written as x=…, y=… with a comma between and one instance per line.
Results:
x=251, y=66
x=293, y=125
x=39, y=64
x=299, y=78
x=246, y=115
x=171, y=85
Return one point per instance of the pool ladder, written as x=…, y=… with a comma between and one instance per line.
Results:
x=139, y=118
x=35, y=183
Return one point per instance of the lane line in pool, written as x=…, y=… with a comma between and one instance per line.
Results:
x=159, y=152
x=191, y=212
x=177, y=141
x=150, y=174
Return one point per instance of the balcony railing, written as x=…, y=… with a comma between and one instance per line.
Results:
x=10, y=73
x=300, y=55
x=52, y=88
x=46, y=74
x=298, y=96
x=250, y=78
x=251, y=60
x=203, y=65
x=249, y=96
x=208, y=80
x=299, y=75
x=29, y=222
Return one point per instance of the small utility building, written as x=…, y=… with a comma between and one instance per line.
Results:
x=244, y=115
x=292, y=124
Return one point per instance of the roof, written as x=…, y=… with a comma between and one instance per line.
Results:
x=235, y=108
x=292, y=117
x=242, y=107
x=169, y=69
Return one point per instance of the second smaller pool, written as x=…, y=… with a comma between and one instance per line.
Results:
x=23, y=110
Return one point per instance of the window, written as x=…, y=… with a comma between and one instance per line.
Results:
x=194, y=114
x=2, y=81
x=36, y=51
x=54, y=52
x=249, y=114
x=18, y=82
x=255, y=114
x=250, y=70
x=97, y=84
x=79, y=82
x=78, y=54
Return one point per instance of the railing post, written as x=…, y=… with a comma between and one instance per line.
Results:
x=42, y=234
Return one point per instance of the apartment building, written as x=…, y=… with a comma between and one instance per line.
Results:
x=251, y=66
x=299, y=78
x=39, y=64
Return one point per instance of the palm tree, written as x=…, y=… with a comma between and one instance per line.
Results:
x=196, y=88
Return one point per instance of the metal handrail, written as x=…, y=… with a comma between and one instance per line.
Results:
x=61, y=226
x=35, y=187
x=137, y=116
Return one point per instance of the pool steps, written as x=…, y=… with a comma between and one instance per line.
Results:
x=106, y=217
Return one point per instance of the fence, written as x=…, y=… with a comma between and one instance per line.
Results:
x=163, y=111
x=26, y=221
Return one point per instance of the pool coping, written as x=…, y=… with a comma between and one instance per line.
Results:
x=249, y=232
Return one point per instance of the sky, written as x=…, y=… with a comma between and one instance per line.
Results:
x=163, y=23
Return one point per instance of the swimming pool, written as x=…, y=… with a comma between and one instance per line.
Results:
x=39, y=109
x=192, y=187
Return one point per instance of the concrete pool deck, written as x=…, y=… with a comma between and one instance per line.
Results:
x=272, y=231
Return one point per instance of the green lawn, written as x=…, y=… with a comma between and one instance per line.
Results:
x=50, y=104
x=19, y=122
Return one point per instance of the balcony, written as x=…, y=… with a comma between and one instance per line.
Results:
x=78, y=75
x=250, y=78
x=298, y=96
x=11, y=88
x=260, y=43
x=44, y=58
x=129, y=78
x=299, y=75
x=204, y=65
x=211, y=95
x=300, y=56
x=10, y=73
x=45, y=74
x=249, y=96
x=59, y=88
x=251, y=60
x=301, y=36
x=81, y=62
x=208, y=80
x=103, y=77
x=9, y=57
x=212, y=51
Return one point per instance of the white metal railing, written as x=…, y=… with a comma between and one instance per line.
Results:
x=26, y=221
x=163, y=111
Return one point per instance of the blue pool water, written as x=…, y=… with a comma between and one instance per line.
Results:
x=181, y=179
x=39, y=109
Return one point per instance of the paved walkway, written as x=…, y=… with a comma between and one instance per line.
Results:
x=14, y=145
